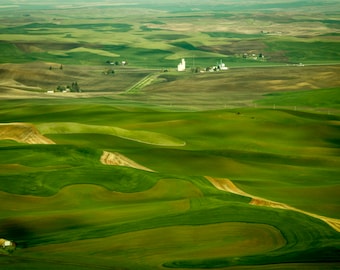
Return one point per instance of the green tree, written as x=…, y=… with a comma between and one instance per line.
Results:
x=75, y=87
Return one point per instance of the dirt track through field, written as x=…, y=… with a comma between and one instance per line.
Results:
x=229, y=186
x=142, y=83
x=117, y=159
x=23, y=133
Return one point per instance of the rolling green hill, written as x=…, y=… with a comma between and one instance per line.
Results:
x=148, y=168
x=59, y=202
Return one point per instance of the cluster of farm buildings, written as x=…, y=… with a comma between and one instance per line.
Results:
x=180, y=67
x=219, y=66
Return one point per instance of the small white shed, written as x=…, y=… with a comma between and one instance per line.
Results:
x=5, y=243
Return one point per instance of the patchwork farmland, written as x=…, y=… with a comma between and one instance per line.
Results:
x=111, y=158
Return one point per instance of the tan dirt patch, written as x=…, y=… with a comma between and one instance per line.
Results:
x=23, y=133
x=117, y=159
x=229, y=186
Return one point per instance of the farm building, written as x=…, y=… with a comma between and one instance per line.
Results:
x=6, y=246
x=181, y=65
x=5, y=243
x=222, y=66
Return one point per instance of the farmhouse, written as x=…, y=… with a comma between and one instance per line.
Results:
x=5, y=243
x=181, y=65
x=222, y=66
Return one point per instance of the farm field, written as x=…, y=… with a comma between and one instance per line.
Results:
x=110, y=158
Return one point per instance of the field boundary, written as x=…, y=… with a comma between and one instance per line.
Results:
x=116, y=159
x=227, y=185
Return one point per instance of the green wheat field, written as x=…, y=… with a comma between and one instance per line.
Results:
x=111, y=158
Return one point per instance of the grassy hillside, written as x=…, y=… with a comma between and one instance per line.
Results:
x=144, y=167
x=281, y=32
x=322, y=98
x=173, y=217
